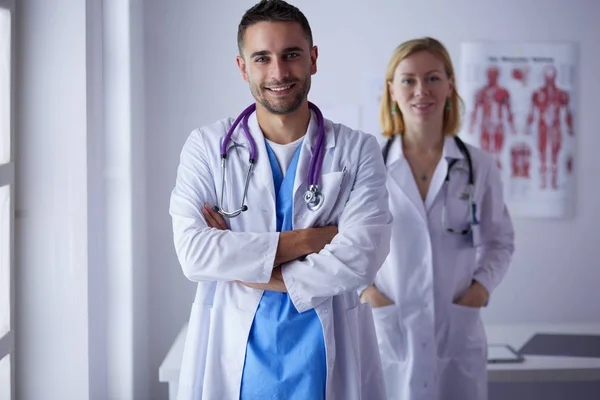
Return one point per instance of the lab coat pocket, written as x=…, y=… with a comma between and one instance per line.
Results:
x=195, y=351
x=364, y=341
x=226, y=349
x=466, y=329
x=332, y=190
x=391, y=336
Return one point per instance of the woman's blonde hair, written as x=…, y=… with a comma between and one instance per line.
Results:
x=393, y=123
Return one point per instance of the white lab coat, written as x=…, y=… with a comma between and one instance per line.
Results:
x=431, y=348
x=353, y=184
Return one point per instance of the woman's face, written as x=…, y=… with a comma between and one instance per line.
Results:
x=421, y=87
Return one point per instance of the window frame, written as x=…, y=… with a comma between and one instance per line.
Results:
x=7, y=177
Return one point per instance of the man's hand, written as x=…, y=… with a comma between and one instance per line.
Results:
x=374, y=297
x=476, y=296
x=293, y=244
x=307, y=241
x=216, y=220
x=317, y=238
x=213, y=218
x=275, y=284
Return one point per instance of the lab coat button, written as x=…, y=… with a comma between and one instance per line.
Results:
x=424, y=345
x=325, y=311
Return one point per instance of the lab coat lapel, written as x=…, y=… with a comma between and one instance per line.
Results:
x=401, y=174
x=436, y=182
x=308, y=149
x=450, y=152
x=303, y=164
x=262, y=168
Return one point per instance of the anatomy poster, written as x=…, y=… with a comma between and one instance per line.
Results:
x=520, y=108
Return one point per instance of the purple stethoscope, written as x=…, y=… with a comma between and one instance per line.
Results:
x=313, y=196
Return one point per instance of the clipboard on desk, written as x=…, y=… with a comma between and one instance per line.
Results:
x=503, y=354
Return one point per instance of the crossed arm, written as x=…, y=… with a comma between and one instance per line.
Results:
x=292, y=245
x=335, y=263
x=206, y=254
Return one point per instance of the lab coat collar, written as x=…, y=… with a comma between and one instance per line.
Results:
x=306, y=154
x=451, y=150
x=312, y=132
x=400, y=172
x=263, y=166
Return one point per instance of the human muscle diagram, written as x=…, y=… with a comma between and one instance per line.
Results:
x=520, y=108
x=548, y=104
x=492, y=109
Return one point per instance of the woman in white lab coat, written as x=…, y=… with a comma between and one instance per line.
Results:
x=427, y=297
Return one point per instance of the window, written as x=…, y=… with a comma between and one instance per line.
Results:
x=4, y=261
x=5, y=381
x=5, y=59
x=7, y=178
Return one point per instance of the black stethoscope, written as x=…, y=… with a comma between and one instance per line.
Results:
x=472, y=215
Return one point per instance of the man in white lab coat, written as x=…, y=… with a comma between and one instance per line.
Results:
x=276, y=313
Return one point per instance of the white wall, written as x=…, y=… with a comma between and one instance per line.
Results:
x=191, y=79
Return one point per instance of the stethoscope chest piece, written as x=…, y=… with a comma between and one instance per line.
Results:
x=313, y=198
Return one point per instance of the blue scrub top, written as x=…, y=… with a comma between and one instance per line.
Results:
x=285, y=354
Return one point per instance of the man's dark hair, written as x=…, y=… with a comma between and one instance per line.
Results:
x=272, y=11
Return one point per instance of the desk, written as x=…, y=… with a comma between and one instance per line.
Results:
x=542, y=368
x=169, y=369
x=534, y=368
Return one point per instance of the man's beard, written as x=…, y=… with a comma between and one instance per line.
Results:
x=286, y=107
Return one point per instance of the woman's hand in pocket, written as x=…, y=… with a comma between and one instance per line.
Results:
x=375, y=298
x=475, y=297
